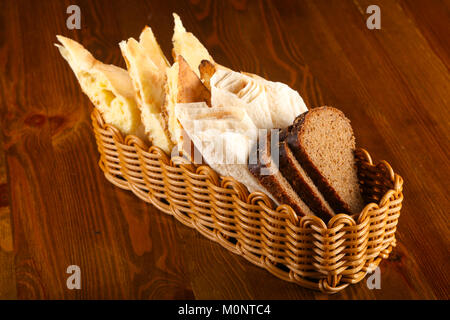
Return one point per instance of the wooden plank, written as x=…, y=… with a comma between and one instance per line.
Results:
x=65, y=212
x=7, y=274
x=369, y=77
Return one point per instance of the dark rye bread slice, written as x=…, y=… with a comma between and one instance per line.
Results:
x=323, y=142
x=300, y=181
x=266, y=171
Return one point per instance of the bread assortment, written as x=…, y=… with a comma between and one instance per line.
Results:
x=257, y=131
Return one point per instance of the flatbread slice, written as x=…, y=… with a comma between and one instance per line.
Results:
x=151, y=47
x=171, y=91
x=190, y=87
x=107, y=86
x=206, y=70
x=146, y=66
x=229, y=88
x=269, y=104
x=183, y=86
x=223, y=136
x=185, y=44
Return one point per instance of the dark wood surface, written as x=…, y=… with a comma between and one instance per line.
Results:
x=57, y=209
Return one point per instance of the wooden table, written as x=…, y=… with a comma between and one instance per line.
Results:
x=57, y=209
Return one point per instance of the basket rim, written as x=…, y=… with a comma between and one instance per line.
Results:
x=258, y=198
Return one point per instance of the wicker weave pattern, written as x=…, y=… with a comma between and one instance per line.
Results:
x=303, y=250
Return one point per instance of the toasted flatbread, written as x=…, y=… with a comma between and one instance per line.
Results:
x=183, y=86
x=148, y=78
x=190, y=87
x=185, y=44
x=107, y=86
x=190, y=90
x=206, y=70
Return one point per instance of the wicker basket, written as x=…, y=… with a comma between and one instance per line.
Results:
x=303, y=250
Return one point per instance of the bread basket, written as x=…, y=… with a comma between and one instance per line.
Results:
x=303, y=250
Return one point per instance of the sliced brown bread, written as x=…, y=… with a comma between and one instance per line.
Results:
x=266, y=171
x=301, y=182
x=322, y=140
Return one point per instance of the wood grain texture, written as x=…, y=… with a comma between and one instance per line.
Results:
x=57, y=209
x=7, y=275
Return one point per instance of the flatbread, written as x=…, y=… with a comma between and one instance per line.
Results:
x=183, y=86
x=223, y=136
x=152, y=49
x=228, y=88
x=107, y=86
x=185, y=44
x=206, y=70
x=269, y=104
x=146, y=66
x=190, y=87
